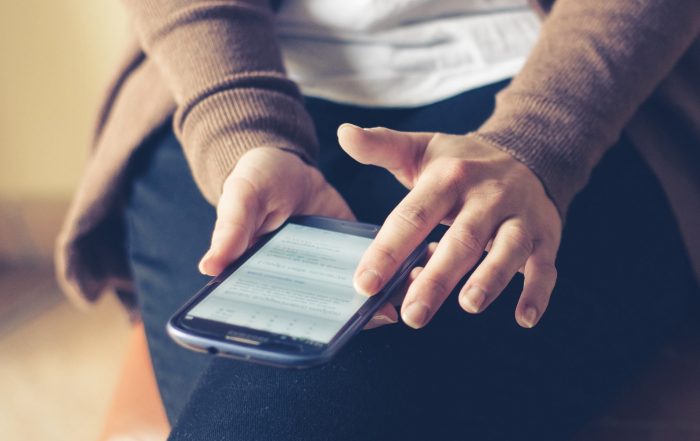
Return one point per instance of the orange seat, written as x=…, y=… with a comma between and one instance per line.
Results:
x=136, y=411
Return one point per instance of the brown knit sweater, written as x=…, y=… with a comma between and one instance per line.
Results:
x=599, y=67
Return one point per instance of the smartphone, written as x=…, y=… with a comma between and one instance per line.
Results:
x=288, y=301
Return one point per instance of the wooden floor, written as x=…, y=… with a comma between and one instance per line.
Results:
x=58, y=365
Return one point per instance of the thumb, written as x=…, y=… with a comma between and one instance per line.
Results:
x=237, y=219
x=396, y=151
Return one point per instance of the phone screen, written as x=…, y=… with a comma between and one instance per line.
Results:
x=298, y=284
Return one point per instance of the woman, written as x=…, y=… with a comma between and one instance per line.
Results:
x=255, y=149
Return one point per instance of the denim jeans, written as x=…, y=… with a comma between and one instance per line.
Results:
x=624, y=287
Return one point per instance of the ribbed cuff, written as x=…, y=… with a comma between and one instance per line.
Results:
x=225, y=125
x=558, y=142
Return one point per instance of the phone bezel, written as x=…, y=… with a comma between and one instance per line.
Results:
x=280, y=349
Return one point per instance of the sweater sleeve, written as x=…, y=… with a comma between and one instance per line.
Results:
x=221, y=61
x=595, y=62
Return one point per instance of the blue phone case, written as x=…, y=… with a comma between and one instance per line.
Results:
x=247, y=344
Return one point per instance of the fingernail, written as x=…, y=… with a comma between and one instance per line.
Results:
x=415, y=315
x=368, y=282
x=201, y=261
x=349, y=125
x=473, y=299
x=529, y=317
x=381, y=319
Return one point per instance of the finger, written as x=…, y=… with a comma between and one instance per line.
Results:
x=407, y=225
x=386, y=315
x=432, y=246
x=397, y=299
x=396, y=151
x=511, y=248
x=459, y=250
x=540, y=278
x=273, y=220
x=237, y=220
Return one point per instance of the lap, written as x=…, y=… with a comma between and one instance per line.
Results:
x=624, y=283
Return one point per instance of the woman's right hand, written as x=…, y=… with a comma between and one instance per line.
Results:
x=267, y=186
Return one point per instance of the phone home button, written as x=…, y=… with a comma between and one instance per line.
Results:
x=246, y=339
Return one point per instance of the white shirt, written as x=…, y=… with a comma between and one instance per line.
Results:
x=402, y=53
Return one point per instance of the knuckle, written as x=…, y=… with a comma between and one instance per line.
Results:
x=415, y=216
x=385, y=255
x=434, y=285
x=520, y=239
x=225, y=227
x=455, y=172
x=498, y=276
x=467, y=239
x=499, y=186
x=498, y=192
x=454, y=176
x=496, y=195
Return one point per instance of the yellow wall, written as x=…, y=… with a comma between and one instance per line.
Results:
x=55, y=59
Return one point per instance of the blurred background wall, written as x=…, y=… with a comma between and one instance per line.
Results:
x=58, y=366
x=56, y=59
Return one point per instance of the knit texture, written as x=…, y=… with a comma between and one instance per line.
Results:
x=222, y=63
x=595, y=63
x=215, y=66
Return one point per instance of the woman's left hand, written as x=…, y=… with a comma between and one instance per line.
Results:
x=489, y=199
